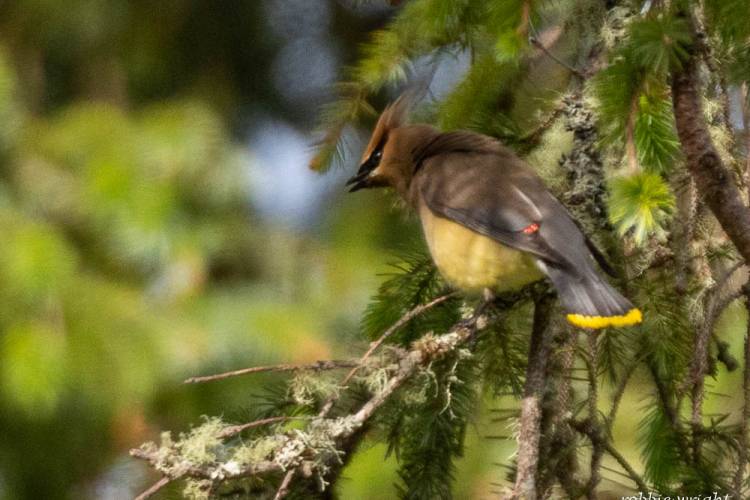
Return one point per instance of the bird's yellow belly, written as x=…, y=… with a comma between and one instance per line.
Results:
x=471, y=261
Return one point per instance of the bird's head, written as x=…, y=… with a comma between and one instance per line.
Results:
x=388, y=159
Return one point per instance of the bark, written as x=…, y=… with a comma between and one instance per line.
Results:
x=682, y=234
x=531, y=406
x=713, y=180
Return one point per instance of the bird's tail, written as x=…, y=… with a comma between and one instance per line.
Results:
x=590, y=302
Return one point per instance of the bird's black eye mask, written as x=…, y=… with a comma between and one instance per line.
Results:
x=359, y=181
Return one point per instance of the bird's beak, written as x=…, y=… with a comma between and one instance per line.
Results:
x=359, y=181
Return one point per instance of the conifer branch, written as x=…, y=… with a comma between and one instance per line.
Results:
x=316, y=366
x=308, y=453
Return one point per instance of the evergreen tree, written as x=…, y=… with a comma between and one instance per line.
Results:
x=626, y=109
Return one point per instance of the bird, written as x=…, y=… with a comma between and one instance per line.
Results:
x=488, y=219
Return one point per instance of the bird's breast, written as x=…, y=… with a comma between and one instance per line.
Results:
x=471, y=261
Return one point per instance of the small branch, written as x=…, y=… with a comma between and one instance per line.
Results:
x=425, y=350
x=374, y=345
x=317, y=366
x=739, y=478
x=393, y=329
x=670, y=411
x=593, y=399
x=236, y=429
x=161, y=483
x=725, y=302
x=533, y=40
x=724, y=278
x=698, y=368
x=683, y=233
x=620, y=391
x=746, y=126
x=156, y=461
x=284, y=486
x=592, y=432
x=637, y=479
x=532, y=138
x=531, y=411
x=630, y=148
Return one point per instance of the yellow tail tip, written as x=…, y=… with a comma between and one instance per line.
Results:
x=633, y=317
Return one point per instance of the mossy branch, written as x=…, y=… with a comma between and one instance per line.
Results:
x=312, y=450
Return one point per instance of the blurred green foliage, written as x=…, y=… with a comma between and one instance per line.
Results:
x=111, y=222
x=131, y=256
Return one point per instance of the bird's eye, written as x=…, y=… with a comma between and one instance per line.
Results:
x=377, y=155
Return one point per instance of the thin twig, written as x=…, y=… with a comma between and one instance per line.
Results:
x=724, y=278
x=669, y=410
x=591, y=431
x=746, y=126
x=637, y=479
x=284, y=486
x=374, y=345
x=620, y=391
x=533, y=40
x=722, y=304
x=630, y=148
x=739, y=478
x=532, y=138
x=236, y=429
x=698, y=367
x=161, y=483
x=316, y=366
x=393, y=329
x=593, y=398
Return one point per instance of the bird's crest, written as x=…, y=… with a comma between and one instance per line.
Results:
x=395, y=115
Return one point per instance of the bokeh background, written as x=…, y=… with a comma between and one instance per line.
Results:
x=158, y=220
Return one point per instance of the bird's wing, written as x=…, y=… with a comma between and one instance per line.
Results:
x=495, y=194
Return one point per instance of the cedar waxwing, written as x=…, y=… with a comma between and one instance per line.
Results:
x=488, y=219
